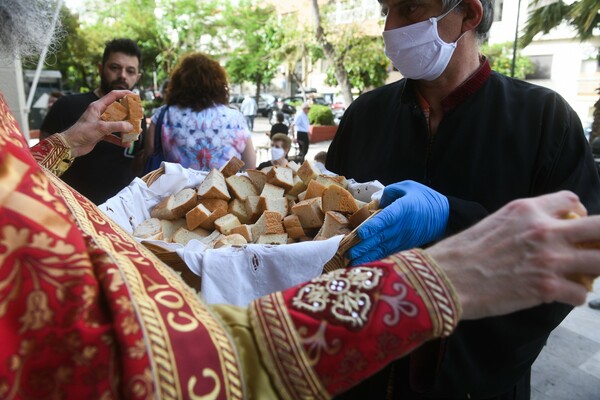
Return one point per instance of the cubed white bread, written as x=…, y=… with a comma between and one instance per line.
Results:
x=335, y=223
x=294, y=166
x=314, y=189
x=170, y=227
x=197, y=216
x=115, y=112
x=226, y=222
x=163, y=209
x=237, y=207
x=240, y=186
x=301, y=196
x=328, y=180
x=133, y=104
x=130, y=137
x=183, y=236
x=175, y=206
x=215, y=204
x=273, y=238
x=150, y=229
x=279, y=205
x=269, y=222
x=234, y=239
x=281, y=176
x=244, y=230
x=336, y=198
x=209, y=223
x=360, y=216
x=293, y=227
x=308, y=171
x=253, y=208
x=258, y=178
x=214, y=186
x=309, y=212
x=272, y=191
x=298, y=187
x=232, y=167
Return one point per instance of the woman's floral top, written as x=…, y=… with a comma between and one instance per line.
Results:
x=203, y=140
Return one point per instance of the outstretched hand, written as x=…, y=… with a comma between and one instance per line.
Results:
x=90, y=129
x=521, y=256
x=413, y=215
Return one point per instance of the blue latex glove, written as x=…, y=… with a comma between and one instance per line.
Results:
x=413, y=215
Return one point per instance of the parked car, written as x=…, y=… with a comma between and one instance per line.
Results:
x=265, y=102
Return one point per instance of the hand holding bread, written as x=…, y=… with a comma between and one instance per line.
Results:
x=128, y=108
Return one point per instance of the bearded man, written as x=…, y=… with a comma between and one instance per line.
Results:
x=107, y=169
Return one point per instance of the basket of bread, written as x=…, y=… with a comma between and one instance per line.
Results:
x=296, y=213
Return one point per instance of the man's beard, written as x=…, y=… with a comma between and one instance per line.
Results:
x=26, y=27
x=107, y=86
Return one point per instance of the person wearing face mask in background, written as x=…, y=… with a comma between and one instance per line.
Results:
x=454, y=141
x=280, y=147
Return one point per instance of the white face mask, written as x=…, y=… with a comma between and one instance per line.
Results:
x=417, y=50
x=277, y=153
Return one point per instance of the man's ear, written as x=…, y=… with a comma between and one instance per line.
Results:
x=473, y=14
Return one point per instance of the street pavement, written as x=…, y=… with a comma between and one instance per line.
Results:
x=568, y=367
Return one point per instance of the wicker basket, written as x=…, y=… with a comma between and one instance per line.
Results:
x=174, y=261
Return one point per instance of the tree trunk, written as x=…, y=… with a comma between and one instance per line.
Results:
x=596, y=122
x=340, y=72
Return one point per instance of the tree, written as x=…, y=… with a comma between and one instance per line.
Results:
x=583, y=15
x=255, y=33
x=500, y=58
x=363, y=58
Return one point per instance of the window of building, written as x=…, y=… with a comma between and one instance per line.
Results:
x=543, y=67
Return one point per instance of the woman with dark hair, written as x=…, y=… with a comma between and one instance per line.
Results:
x=199, y=130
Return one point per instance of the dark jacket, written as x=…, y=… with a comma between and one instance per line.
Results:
x=500, y=139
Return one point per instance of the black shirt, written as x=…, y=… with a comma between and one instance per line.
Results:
x=279, y=128
x=107, y=169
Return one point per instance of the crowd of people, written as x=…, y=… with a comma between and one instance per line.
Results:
x=455, y=285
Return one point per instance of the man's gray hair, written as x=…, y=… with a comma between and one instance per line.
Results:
x=26, y=27
x=486, y=20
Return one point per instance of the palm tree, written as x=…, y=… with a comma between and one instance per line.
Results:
x=583, y=15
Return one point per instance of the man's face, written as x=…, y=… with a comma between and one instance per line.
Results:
x=306, y=110
x=120, y=71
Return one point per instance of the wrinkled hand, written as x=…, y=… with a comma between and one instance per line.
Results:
x=520, y=256
x=412, y=215
x=90, y=129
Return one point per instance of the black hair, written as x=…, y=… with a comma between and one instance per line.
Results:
x=122, y=45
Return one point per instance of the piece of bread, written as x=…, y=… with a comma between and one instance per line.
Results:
x=308, y=171
x=281, y=176
x=214, y=186
x=269, y=222
x=278, y=204
x=336, y=198
x=309, y=212
x=253, y=208
x=294, y=166
x=214, y=204
x=197, y=216
x=133, y=103
x=273, y=238
x=175, y=206
x=335, y=223
x=298, y=187
x=114, y=112
x=245, y=230
x=232, y=167
x=230, y=240
x=170, y=227
x=241, y=186
x=328, y=180
x=258, y=178
x=293, y=227
x=150, y=229
x=360, y=215
x=314, y=189
x=183, y=236
x=226, y=222
x=237, y=207
x=272, y=191
x=209, y=223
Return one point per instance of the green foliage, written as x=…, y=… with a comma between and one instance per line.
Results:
x=500, y=58
x=320, y=115
x=583, y=15
x=363, y=58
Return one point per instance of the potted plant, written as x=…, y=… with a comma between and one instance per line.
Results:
x=322, y=126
